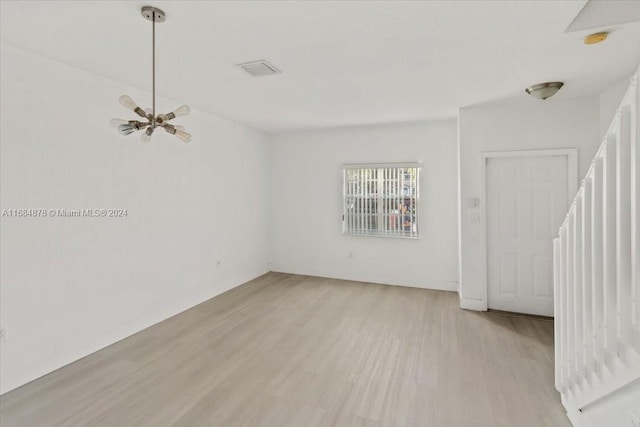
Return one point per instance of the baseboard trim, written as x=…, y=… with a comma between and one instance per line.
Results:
x=473, y=304
x=445, y=285
x=525, y=315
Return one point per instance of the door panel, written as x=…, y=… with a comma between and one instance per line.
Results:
x=526, y=203
x=508, y=273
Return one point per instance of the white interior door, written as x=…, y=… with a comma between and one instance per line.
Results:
x=526, y=203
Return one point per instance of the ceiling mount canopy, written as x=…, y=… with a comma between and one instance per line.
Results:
x=153, y=14
x=151, y=121
x=544, y=90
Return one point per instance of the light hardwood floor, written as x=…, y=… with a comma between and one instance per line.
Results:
x=286, y=350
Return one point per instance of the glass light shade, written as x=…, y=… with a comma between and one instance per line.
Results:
x=145, y=137
x=127, y=102
x=544, y=90
x=544, y=93
x=148, y=111
x=117, y=122
x=184, y=136
x=183, y=110
x=126, y=129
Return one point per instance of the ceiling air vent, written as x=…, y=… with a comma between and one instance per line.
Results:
x=259, y=68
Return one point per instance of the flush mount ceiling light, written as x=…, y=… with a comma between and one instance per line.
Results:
x=544, y=90
x=125, y=127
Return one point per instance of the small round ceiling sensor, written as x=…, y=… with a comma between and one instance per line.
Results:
x=596, y=37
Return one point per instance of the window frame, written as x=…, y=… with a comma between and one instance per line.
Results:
x=381, y=199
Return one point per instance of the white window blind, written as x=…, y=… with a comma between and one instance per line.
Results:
x=381, y=200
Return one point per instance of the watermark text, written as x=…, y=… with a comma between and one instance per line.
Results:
x=65, y=213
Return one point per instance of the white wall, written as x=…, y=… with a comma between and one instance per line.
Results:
x=555, y=123
x=70, y=286
x=306, y=194
x=609, y=102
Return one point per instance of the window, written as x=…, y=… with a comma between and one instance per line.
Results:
x=381, y=200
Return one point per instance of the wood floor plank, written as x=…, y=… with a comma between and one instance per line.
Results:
x=289, y=350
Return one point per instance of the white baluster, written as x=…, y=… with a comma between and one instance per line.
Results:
x=609, y=239
x=587, y=307
x=570, y=316
x=563, y=307
x=623, y=227
x=635, y=209
x=597, y=258
x=557, y=312
x=577, y=286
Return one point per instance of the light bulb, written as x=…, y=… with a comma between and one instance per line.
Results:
x=146, y=136
x=117, y=122
x=183, y=110
x=173, y=129
x=127, y=102
x=126, y=129
x=184, y=136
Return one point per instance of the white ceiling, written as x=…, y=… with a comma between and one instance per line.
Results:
x=343, y=62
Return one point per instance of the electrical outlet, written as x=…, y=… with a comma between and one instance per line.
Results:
x=3, y=333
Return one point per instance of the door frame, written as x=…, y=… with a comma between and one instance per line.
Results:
x=571, y=155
